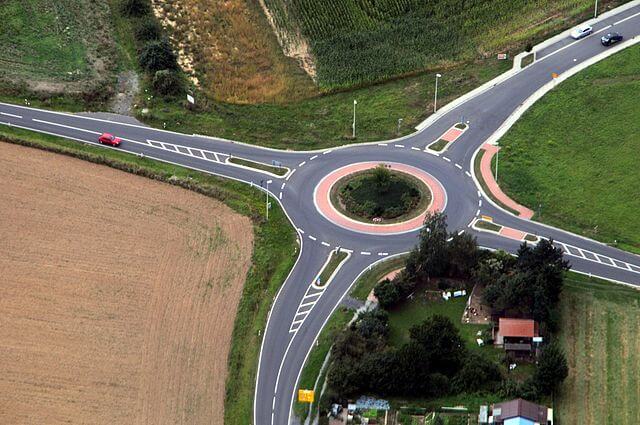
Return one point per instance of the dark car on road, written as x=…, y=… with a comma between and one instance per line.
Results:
x=610, y=38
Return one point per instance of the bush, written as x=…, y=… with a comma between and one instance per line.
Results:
x=157, y=56
x=148, y=29
x=134, y=8
x=551, y=371
x=387, y=293
x=167, y=83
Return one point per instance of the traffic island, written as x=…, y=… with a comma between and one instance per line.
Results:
x=367, y=198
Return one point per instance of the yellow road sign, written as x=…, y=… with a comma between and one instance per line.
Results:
x=487, y=218
x=305, y=396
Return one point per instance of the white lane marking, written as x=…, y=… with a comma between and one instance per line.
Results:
x=283, y=185
x=598, y=258
x=478, y=212
x=365, y=253
x=302, y=163
x=325, y=244
x=625, y=19
x=460, y=232
x=315, y=294
x=313, y=238
x=399, y=146
x=479, y=194
x=309, y=303
x=383, y=254
x=280, y=196
x=273, y=405
x=467, y=173
x=326, y=152
x=301, y=231
x=459, y=166
x=382, y=144
x=291, y=174
x=479, y=202
x=446, y=159
x=10, y=115
x=313, y=157
x=415, y=149
x=65, y=126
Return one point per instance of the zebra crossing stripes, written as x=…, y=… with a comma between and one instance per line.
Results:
x=309, y=300
x=574, y=251
x=205, y=155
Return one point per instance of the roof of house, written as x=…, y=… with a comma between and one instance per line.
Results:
x=517, y=327
x=520, y=408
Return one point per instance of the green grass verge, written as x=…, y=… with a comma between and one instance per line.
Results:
x=576, y=153
x=599, y=325
x=335, y=260
x=487, y=225
x=273, y=256
x=278, y=171
x=438, y=145
x=531, y=238
x=367, y=281
x=319, y=352
x=483, y=184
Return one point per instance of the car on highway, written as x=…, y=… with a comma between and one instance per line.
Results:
x=109, y=139
x=581, y=32
x=610, y=38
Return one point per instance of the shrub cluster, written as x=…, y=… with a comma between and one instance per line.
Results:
x=155, y=54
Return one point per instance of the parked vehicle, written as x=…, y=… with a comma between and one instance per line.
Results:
x=109, y=139
x=581, y=32
x=610, y=38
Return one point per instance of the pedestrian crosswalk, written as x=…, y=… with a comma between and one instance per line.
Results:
x=309, y=300
x=574, y=251
x=206, y=155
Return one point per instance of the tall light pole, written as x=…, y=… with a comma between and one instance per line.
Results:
x=355, y=102
x=435, y=98
x=399, y=124
x=595, y=10
x=267, y=196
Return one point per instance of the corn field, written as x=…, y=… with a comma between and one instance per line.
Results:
x=356, y=42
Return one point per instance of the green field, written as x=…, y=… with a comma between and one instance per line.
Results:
x=47, y=45
x=361, y=41
x=576, y=152
x=274, y=252
x=599, y=332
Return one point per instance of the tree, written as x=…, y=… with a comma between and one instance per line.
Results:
x=382, y=178
x=387, y=293
x=373, y=324
x=552, y=369
x=462, y=255
x=158, y=55
x=148, y=29
x=442, y=344
x=167, y=83
x=133, y=8
x=477, y=373
x=429, y=257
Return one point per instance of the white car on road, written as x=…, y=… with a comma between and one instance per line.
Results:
x=581, y=31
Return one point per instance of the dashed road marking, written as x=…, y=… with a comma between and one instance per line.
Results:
x=399, y=146
x=446, y=159
x=365, y=253
x=478, y=212
x=382, y=144
x=467, y=173
x=459, y=166
x=383, y=254
x=302, y=163
x=283, y=185
x=313, y=157
x=290, y=174
x=326, y=152
x=280, y=196
x=313, y=238
x=415, y=149
x=6, y=114
x=324, y=243
x=65, y=126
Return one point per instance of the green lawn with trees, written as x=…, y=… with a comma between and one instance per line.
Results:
x=574, y=155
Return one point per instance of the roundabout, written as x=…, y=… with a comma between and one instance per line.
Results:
x=419, y=193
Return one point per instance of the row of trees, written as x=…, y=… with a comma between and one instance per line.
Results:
x=155, y=53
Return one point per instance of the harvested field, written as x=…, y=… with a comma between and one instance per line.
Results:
x=119, y=295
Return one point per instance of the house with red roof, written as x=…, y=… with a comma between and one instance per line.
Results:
x=519, y=337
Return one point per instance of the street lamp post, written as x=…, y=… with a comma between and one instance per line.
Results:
x=268, y=182
x=435, y=98
x=595, y=10
x=399, y=124
x=355, y=102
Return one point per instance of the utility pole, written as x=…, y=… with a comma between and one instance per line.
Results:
x=399, y=124
x=595, y=10
x=435, y=98
x=355, y=102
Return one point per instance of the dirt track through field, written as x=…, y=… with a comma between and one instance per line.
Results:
x=118, y=295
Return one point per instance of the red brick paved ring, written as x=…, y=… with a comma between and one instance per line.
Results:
x=322, y=200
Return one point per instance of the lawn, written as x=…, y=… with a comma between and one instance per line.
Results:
x=599, y=332
x=367, y=281
x=55, y=46
x=274, y=252
x=335, y=259
x=576, y=153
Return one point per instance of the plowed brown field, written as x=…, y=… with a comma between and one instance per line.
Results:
x=118, y=295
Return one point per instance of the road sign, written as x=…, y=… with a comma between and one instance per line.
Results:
x=487, y=218
x=502, y=56
x=305, y=396
x=190, y=99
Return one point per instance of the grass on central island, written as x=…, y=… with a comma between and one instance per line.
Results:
x=574, y=156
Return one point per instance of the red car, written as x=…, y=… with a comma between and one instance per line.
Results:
x=109, y=139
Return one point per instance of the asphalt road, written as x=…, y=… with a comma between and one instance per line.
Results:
x=291, y=329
